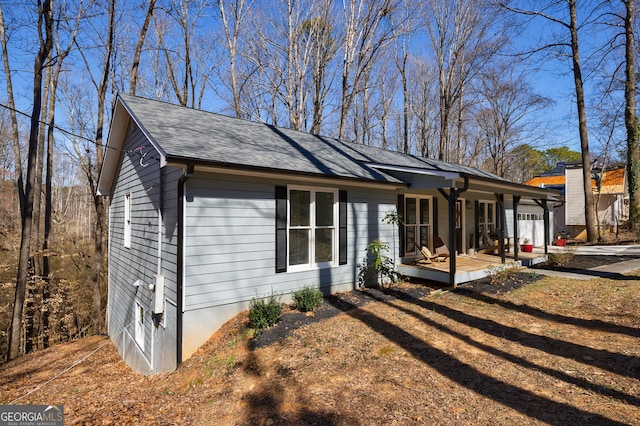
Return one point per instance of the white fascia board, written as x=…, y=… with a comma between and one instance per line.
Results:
x=115, y=141
x=152, y=141
x=112, y=149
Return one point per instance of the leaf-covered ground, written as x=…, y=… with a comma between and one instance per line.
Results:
x=550, y=352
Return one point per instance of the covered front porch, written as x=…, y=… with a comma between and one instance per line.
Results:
x=467, y=268
x=465, y=212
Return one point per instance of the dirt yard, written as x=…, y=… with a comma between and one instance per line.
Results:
x=549, y=352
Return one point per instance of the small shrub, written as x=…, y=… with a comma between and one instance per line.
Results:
x=561, y=258
x=307, y=299
x=503, y=273
x=263, y=313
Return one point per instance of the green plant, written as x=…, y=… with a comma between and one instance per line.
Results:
x=526, y=241
x=263, y=313
x=502, y=273
x=307, y=299
x=377, y=267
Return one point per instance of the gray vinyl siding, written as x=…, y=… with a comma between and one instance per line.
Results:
x=574, y=196
x=140, y=261
x=230, y=247
x=170, y=222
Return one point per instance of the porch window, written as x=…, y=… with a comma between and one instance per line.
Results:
x=486, y=220
x=312, y=227
x=417, y=223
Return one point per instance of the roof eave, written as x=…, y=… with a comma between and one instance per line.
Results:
x=247, y=170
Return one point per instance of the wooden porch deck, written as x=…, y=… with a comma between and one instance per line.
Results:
x=468, y=268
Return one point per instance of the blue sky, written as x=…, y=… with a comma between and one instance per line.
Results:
x=553, y=80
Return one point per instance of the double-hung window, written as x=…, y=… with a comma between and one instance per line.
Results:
x=417, y=223
x=312, y=227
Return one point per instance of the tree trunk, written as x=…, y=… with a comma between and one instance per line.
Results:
x=232, y=44
x=98, y=200
x=133, y=78
x=630, y=115
x=15, y=136
x=590, y=217
x=45, y=18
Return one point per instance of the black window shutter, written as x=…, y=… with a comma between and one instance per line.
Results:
x=435, y=216
x=281, y=229
x=400, y=225
x=342, y=231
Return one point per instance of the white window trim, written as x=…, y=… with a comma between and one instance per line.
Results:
x=418, y=224
x=127, y=220
x=336, y=217
x=139, y=324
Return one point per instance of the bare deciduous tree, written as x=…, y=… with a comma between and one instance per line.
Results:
x=630, y=113
x=566, y=17
x=133, y=76
x=364, y=36
x=233, y=24
x=505, y=105
x=91, y=162
x=45, y=35
x=459, y=35
x=15, y=135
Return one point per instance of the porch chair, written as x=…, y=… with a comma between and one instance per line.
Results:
x=491, y=246
x=427, y=256
x=441, y=248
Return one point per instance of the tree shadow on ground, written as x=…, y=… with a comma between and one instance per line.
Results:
x=599, y=358
x=266, y=404
x=630, y=399
x=521, y=400
x=591, y=324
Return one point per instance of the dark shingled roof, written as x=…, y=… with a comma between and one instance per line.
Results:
x=186, y=134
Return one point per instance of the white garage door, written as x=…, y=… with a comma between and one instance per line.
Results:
x=531, y=226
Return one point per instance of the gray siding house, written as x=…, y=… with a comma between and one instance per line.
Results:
x=208, y=212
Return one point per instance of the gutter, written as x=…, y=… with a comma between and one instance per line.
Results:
x=180, y=260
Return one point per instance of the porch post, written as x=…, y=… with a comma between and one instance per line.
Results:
x=546, y=226
x=500, y=218
x=516, y=242
x=452, y=197
x=545, y=208
x=476, y=225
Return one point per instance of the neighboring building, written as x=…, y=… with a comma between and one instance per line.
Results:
x=609, y=192
x=207, y=212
